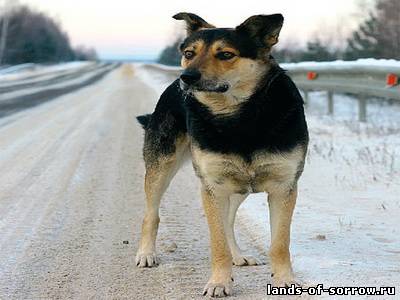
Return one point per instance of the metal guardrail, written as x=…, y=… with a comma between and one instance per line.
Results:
x=362, y=80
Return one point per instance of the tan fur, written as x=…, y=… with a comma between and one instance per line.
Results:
x=158, y=176
x=281, y=206
x=242, y=74
x=266, y=172
x=216, y=208
x=197, y=47
x=276, y=174
x=238, y=258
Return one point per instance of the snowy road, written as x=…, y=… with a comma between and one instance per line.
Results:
x=21, y=91
x=71, y=205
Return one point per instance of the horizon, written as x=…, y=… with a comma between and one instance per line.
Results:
x=127, y=30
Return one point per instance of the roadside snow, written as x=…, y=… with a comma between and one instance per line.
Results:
x=63, y=83
x=16, y=68
x=358, y=62
x=346, y=225
x=20, y=72
x=365, y=63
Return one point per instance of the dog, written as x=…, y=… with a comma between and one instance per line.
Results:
x=242, y=120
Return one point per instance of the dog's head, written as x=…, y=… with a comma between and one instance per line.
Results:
x=226, y=60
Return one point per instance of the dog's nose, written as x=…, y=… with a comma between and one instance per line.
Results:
x=190, y=76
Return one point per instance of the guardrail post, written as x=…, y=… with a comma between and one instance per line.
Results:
x=306, y=99
x=330, y=102
x=362, y=108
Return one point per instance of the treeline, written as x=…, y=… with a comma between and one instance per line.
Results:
x=28, y=36
x=378, y=36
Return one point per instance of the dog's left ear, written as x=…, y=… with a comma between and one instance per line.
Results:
x=265, y=28
x=193, y=22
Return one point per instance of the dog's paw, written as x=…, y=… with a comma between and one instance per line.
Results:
x=148, y=260
x=286, y=280
x=245, y=260
x=218, y=289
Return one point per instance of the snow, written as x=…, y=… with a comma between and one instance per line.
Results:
x=346, y=224
x=365, y=63
x=157, y=80
x=19, y=72
x=60, y=84
x=16, y=68
x=342, y=63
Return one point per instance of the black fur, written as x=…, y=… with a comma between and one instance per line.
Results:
x=165, y=125
x=193, y=22
x=144, y=120
x=249, y=37
x=272, y=119
x=247, y=46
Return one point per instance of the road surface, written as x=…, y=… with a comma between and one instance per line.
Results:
x=71, y=204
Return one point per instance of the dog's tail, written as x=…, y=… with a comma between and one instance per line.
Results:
x=144, y=120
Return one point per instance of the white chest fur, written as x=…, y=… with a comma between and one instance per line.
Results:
x=265, y=172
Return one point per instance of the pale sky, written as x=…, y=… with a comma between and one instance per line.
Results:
x=141, y=28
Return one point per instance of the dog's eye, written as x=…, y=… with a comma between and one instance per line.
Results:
x=188, y=54
x=225, y=55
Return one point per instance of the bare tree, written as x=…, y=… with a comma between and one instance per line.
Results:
x=27, y=35
x=378, y=36
x=34, y=37
x=85, y=53
x=6, y=7
x=388, y=13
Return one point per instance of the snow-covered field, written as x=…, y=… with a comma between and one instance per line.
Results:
x=346, y=228
x=71, y=195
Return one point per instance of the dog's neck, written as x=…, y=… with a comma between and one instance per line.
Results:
x=229, y=102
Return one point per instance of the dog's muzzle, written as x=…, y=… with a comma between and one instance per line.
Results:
x=191, y=80
x=190, y=77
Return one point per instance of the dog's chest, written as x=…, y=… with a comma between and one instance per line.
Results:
x=264, y=172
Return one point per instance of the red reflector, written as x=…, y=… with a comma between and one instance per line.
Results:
x=311, y=75
x=392, y=79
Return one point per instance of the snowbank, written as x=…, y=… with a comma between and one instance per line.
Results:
x=19, y=72
x=366, y=63
x=312, y=65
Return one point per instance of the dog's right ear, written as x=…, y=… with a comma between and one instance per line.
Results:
x=193, y=22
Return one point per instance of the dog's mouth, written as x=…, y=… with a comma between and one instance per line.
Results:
x=204, y=86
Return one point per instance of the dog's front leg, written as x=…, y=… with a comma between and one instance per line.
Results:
x=281, y=205
x=239, y=259
x=216, y=206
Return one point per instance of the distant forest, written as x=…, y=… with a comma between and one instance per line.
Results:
x=378, y=36
x=30, y=36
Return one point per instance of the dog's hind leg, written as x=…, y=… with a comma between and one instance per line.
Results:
x=160, y=169
x=238, y=258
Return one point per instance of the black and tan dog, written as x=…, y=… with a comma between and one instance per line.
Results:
x=242, y=120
